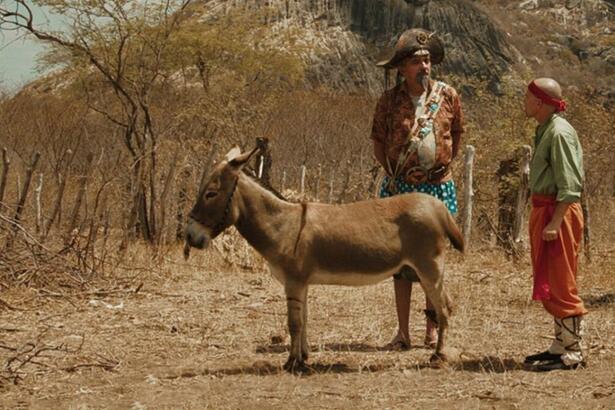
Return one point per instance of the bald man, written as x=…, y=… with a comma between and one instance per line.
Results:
x=556, y=224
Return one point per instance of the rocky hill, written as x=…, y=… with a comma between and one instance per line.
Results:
x=486, y=40
x=346, y=36
x=573, y=40
x=495, y=42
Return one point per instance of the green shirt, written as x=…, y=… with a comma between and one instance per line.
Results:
x=557, y=163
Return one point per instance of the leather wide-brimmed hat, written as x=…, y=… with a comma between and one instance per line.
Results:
x=415, y=41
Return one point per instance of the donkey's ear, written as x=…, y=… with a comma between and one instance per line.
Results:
x=233, y=153
x=242, y=159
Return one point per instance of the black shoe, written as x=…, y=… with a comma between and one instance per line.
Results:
x=558, y=365
x=541, y=357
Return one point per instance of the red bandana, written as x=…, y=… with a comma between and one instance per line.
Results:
x=560, y=105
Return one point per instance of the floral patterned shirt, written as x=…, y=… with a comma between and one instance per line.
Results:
x=394, y=117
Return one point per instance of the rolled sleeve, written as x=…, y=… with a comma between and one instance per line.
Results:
x=567, y=165
x=457, y=126
x=379, y=125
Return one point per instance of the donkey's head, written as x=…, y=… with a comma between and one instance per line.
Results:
x=215, y=210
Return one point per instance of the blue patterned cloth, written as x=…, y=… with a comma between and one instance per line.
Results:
x=445, y=192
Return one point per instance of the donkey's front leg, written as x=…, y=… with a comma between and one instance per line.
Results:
x=305, y=348
x=296, y=294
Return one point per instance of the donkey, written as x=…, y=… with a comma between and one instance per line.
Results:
x=352, y=244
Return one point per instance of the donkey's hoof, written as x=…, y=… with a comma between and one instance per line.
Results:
x=446, y=355
x=294, y=365
x=438, y=358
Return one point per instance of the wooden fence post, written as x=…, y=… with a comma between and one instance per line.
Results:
x=39, y=215
x=468, y=194
x=265, y=160
x=524, y=176
x=346, y=185
x=26, y=187
x=163, y=200
x=261, y=164
x=318, y=177
x=302, y=184
x=83, y=179
x=330, y=198
x=6, y=162
x=182, y=199
x=586, y=227
x=57, y=207
x=22, y=199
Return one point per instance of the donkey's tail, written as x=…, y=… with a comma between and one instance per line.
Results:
x=453, y=232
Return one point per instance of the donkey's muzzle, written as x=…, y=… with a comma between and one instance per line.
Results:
x=196, y=236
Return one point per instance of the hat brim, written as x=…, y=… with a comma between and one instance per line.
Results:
x=434, y=46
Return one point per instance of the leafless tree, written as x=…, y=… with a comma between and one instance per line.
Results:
x=118, y=50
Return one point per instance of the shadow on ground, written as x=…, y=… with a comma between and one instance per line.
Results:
x=264, y=368
x=332, y=347
x=486, y=364
x=599, y=300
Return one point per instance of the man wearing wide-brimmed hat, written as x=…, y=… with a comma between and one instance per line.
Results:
x=416, y=132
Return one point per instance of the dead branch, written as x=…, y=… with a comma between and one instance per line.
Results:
x=31, y=353
x=494, y=230
x=5, y=305
x=27, y=354
x=106, y=366
x=17, y=226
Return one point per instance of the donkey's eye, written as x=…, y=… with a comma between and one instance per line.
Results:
x=210, y=194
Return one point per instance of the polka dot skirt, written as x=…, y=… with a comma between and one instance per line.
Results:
x=445, y=192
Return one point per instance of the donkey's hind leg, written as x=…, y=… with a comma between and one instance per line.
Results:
x=432, y=280
x=296, y=294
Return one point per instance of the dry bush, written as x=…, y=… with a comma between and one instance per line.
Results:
x=325, y=131
x=222, y=100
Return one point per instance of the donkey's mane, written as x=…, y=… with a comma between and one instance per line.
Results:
x=264, y=184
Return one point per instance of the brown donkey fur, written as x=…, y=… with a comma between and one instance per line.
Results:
x=352, y=244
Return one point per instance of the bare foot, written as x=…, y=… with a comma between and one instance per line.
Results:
x=399, y=343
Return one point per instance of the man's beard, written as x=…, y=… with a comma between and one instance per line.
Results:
x=423, y=80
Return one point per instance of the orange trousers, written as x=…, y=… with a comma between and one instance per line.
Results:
x=555, y=262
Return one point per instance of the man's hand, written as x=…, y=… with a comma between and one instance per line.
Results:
x=550, y=231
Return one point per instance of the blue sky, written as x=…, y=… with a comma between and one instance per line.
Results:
x=18, y=51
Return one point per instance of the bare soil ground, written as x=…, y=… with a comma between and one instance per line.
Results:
x=198, y=336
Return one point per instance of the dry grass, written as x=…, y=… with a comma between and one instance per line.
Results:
x=209, y=334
